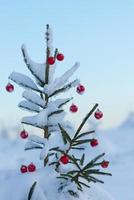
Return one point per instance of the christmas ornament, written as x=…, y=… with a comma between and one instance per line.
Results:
x=64, y=159
x=73, y=108
x=104, y=164
x=94, y=142
x=31, y=167
x=60, y=57
x=9, y=87
x=98, y=114
x=51, y=60
x=23, y=134
x=80, y=89
x=23, y=169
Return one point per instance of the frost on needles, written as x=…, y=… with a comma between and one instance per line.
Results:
x=42, y=98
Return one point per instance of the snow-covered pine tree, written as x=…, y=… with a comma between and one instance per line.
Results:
x=41, y=98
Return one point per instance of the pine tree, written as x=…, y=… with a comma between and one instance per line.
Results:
x=41, y=98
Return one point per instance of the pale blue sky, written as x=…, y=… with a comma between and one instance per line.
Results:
x=99, y=34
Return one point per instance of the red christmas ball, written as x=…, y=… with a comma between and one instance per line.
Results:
x=60, y=57
x=64, y=159
x=51, y=60
x=94, y=142
x=31, y=167
x=23, y=134
x=9, y=87
x=23, y=169
x=104, y=164
x=98, y=114
x=73, y=108
x=80, y=89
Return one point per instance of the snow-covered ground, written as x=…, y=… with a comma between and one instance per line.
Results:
x=121, y=184
x=118, y=143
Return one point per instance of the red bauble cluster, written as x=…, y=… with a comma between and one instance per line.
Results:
x=80, y=89
x=105, y=164
x=94, y=142
x=59, y=57
x=73, y=108
x=23, y=134
x=9, y=87
x=64, y=159
x=98, y=114
x=30, y=168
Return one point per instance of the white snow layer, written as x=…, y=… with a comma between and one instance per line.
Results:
x=26, y=105
x=61, y=81
x=35, y=142
x=46, y=188
x=39, y=120
x=59, y=102
x=34, y=98
x=37, y=69
x=23, y=80
x=121, y=158
x=49, y=38
x=45, y=117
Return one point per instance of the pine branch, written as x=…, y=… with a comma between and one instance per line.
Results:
x=55, y=113
x=85, y=119
x=65, y=135
x=25, y=107
x=47, y=56
x=78, y=142
x=29, y=67
x=85, y=134
x=55, y=53
x=91, y=163
x=31, y=191
x=66, y=87
x=62, y=104
x=35, y=125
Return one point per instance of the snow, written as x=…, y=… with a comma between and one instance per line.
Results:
x=61, y=81
x=23, y=80
x=28, y=106
x=39, y=120
x=38, y=142
x=34, y=98
x=38, y=70
x=49, y=37
x=118, y=143
x=59, y=102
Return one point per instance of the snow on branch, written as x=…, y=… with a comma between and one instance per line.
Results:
x=49, y=38
x=37, y=139
x=31, y=145
x=36, y=142
x=36, y=193
x=39, y=120
x=38, y=70
x=66, y=125
x=26, y=105
x=60, y=102
x=23, y=81
x=61, y=81
x=66, y=87
x=56, y=118
x=34, y=98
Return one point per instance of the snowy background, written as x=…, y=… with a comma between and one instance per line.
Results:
x=117, y=142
